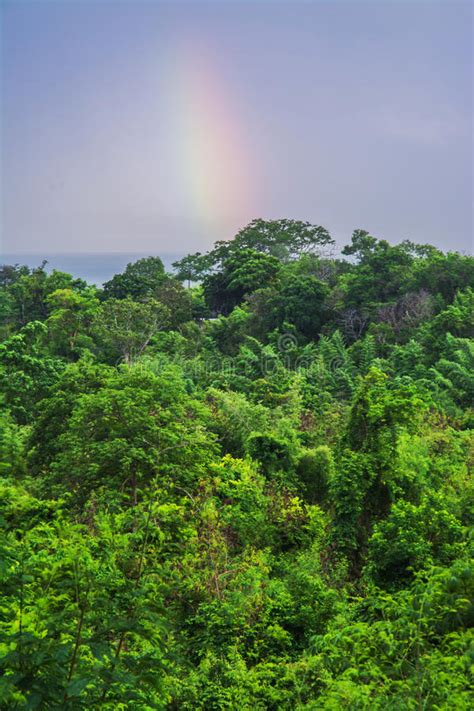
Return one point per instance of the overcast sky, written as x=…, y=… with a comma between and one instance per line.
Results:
x=163, y=126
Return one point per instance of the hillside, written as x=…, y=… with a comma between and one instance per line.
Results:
x=245, y=485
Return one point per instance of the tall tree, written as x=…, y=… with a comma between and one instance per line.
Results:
x=140, y=279
x=123, y=327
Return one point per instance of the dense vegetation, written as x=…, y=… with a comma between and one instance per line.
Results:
x=245, y=486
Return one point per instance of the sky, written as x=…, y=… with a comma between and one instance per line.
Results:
x=160, y=127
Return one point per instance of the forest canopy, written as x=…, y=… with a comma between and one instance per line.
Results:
x=242, y=485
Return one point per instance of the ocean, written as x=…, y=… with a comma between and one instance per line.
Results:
x=95, y=268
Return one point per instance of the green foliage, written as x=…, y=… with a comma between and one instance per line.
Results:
x=70, y=320
x=12, y=447
x=26, y=372
x=28, y=291
x=242, y=273
x=141, y=279
x=124, y=328
x=271, y=509
x=192, y=267
x=406, y=650
x=135, y=427
x=274, y=453
x=177, y=300
x=457, y=319
x=81, y=623
x=285, y=239
x=303, y=304
x=411, y=538
x=444, y=274
x=315, y=471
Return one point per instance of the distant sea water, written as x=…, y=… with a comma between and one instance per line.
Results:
x=95, y=268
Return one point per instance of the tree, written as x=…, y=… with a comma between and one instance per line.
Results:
x=53, y=412
x=124, y=328
x=444, y=274
x=303, y=302
x=455, y=370
x=12, y=448
x=81, y=621
x=366, y=479
x=136, y=427
x=140, y=279
x=382, y=271
x=284, y=239
x=456, y=319
x=362, y=245
x=192, y=268
x=26, y=371
x=413, y=537
x=10, y=273
x=177, y=300
x=29, y=291
x=70, y=319
x=242, y=273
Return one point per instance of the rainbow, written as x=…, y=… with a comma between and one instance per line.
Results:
x=216, y=171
